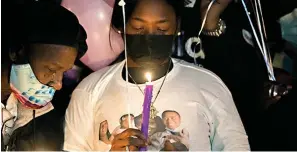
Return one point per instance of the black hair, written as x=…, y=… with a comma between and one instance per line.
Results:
x=39, y=26
x=163, y=114
x=117, y=15
x=125, y=115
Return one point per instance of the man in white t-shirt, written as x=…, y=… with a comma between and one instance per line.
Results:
x=204, y=104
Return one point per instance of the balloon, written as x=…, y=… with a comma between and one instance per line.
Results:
x=72, y=76
x=104, y=42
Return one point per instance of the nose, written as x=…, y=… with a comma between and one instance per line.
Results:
x=57, y=82
x=56, y=85
x=150, y=30
x=168, y=121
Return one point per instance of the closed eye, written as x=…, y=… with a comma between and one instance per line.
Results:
x=162, y=30
x=51, y=71
x=138, y=28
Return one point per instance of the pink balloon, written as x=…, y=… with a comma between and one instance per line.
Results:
x=104, y=42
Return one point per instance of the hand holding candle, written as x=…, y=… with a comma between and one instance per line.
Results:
x=148, y=93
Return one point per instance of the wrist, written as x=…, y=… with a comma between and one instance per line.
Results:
x=220, y=29
x=211, y=23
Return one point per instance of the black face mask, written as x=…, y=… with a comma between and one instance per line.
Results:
x=149, y=50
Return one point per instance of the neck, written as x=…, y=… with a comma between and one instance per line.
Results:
x=138, y=72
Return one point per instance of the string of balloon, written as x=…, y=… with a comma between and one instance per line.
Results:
x=260, y=23
x=122, y=4
x=201, y=28
x=262, y=47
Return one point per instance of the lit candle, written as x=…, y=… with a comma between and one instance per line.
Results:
x=148, y=93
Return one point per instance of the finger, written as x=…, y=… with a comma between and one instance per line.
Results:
x=168, y=146
x=117, y=148
x=131, y=132
x=149, y=142
x=137, y=142
x=129, y=142
x=133, y=148
x=104, y=127
x=120, y=143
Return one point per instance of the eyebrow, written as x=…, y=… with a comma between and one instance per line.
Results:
x=142, y=20
x=60, y=66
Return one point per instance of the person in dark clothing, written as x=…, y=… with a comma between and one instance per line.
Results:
x=234, y=56
x=243, y=70
x=40, y=49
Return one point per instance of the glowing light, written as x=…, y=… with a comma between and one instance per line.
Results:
x=101, y=15
x=148, y=77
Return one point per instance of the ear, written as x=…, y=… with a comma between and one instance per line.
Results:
x=17, y=55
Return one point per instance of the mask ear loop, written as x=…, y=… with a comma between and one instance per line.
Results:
x=261, y=25
x=122, y=4
x=197, y=39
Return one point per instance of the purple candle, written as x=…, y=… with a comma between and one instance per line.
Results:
x=148, y=93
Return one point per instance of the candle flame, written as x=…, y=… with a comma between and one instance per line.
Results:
x=149, y=77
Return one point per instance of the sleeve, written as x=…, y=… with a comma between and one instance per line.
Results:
x=228, y=132
x=79, y=122
x=83, y=115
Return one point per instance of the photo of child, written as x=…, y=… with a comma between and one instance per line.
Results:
x=124, y=124
x=107, y=137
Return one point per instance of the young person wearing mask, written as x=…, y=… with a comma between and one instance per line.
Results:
x=199, y=96
x=41, y=49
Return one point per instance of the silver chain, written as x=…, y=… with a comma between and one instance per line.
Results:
x=160, y=86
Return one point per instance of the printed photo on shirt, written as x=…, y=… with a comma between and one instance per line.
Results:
x=165, y=131
x=155, y=125
x=174, y=137
x=104, y=134
x=123, y=125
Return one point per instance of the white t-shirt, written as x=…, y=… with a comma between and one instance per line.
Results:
x=202, y=101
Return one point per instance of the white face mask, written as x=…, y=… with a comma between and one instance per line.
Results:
x=27, y=89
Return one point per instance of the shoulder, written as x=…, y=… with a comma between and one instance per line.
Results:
x=95, y=79
x=197, y=72
x=206, y=80
x=92, y=87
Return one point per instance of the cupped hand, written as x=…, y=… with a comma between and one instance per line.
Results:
x=131, y=138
